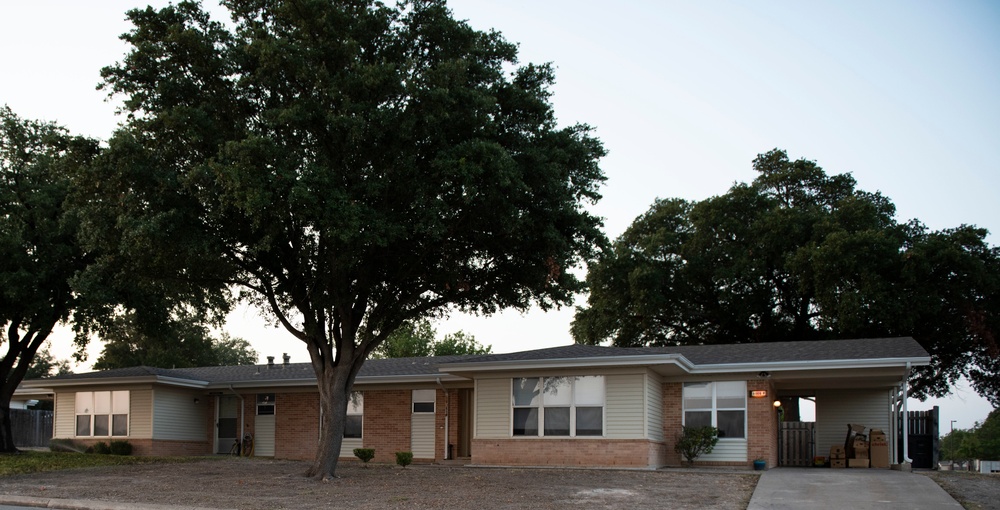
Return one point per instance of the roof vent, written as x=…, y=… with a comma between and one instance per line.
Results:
x=270, y=362
x=285, y=358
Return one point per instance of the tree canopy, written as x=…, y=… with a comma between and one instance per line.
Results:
x=800, y=255
x=419, y=339
x=350, y=166
x=184, y=343
x=39, y=252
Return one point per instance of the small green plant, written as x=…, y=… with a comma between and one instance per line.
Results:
x=404, y=458
x=120, y=448
x=694, y=441
x=365, y=454
x=100, y=448
x=64, y=445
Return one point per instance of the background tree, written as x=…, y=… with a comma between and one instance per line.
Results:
x=46, y=364
x=349, y=165
x=419, y=339
x=800, y=255
x=39, y=253
x=184, y=343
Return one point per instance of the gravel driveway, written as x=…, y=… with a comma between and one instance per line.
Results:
x=267, y=484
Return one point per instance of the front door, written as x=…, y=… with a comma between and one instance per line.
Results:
x=225, y=423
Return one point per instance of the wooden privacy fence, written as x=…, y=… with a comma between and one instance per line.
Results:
x=31, y=428
x=922, y=433
x=797, y=443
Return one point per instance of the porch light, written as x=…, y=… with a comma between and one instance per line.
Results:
x=777, y=404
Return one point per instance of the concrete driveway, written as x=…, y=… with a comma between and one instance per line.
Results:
x=857, y=489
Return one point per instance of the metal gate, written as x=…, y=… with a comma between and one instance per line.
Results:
x=797, y=443
x=922, y=434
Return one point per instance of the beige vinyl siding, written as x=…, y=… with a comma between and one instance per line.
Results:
x=836, y=408
x=727, y=450
x=492, y=408
x=263, y=438
x=140, y=424
x=348, y=446
x=176, y=416
x=64, y=423
x=422, y=435
x=140, y=418
x=624, y=406
x=654, y=407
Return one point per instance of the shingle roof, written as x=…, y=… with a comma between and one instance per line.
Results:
x=806, y=351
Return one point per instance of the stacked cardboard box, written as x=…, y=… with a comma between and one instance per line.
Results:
x=878, y=449
x=857, y=446
x=838, y=457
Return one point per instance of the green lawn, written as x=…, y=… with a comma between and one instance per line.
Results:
x=37, y=462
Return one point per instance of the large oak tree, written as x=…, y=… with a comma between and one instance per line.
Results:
x=800, y=255
x=349, y=166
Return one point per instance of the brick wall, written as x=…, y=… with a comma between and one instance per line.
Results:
x=630, y=453
x=673, y=416
x=762, y=424
x=296, y=425
x=387, y=423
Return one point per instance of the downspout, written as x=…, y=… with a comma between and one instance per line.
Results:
x=239, y=435
x=447, y=411
x=905, y=432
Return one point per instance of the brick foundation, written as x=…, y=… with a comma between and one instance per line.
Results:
x=624, y=453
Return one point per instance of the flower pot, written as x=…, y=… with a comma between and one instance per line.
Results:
x=759, y=465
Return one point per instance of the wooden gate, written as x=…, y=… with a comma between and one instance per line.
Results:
x=797, y=443
x=922, y=434
x=30, y=427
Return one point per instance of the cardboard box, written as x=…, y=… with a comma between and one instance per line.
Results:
x=857, y=463
x=838, y=452
x=879, y=450
x=838, y=463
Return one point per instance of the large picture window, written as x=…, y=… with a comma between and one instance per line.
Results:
x=721, y=404
x=558, y=406
x=102, y=413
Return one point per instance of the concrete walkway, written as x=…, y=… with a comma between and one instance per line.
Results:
x=857, y=489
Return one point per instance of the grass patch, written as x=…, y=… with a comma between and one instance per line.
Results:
x=38, y=462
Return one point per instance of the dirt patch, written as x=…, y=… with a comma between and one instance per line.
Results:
x=269, y=484
x=974, y=491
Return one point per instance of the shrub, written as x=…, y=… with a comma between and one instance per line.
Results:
x=365, y=454
x=64, y=445
x=404, y=458
x=121, y=448
x=694, y=441
x=100, y=447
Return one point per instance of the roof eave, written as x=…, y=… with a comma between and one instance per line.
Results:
x=601, y=361
x=777, y=366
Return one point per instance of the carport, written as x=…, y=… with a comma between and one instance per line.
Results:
x=869, y=392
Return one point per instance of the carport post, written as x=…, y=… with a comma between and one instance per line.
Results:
x=906, y=426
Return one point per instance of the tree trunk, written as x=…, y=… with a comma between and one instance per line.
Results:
x=6, y=432
x=334, y=384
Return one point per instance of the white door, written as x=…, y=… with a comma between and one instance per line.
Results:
x=226, y=423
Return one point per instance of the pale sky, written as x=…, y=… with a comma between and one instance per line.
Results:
x=901, y=94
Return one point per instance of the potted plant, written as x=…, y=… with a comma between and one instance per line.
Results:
x=759, y=464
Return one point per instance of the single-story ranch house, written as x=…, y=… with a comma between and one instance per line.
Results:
x=575, y=405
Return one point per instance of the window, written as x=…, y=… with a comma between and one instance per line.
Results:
x=423, y=401
x=355, y=415
x=102, y=413
x=564, y=406
x=721, y=405
x=265, y=404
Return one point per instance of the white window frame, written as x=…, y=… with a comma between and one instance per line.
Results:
x=356, y=407
x=573, y=404
x=421, y=398
x=268, y=401
x=114, y=404
x=714, y=409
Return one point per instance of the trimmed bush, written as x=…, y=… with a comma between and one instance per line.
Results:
x=695, y=441
x=100, y=448
x=365, y=454
x=64, y=445
x=404, y=458
x=121, y=448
